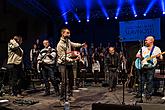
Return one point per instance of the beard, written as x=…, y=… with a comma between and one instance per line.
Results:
x=67, y=37
x=146, y=44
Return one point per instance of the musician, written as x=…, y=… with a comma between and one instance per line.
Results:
x=47, y=60
x=112, y=65
x=65, y=61
x=33, y=56
x=147, y=69
x=15, y=60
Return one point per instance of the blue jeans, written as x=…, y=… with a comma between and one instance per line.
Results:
x=48, y=72
x=146, y=76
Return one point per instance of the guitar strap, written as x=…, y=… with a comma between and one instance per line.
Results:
x=152, y=52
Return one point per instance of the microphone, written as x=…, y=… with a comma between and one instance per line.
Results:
x=67, y=37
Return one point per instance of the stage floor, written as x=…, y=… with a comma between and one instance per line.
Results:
x=83, y=100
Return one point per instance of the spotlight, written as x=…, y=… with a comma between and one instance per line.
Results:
x=79, y=21
x=116, y=17
x=87, y=20
x=107, y=18
x=163, y=12
x=135, y=15
x=66, y=22
x=144, y=14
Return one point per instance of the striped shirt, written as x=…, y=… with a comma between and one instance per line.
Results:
x=47, y=55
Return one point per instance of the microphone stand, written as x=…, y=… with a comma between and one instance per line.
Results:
x=140, y=71
x=123, y=71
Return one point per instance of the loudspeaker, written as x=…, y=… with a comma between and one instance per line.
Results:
x=99, y=106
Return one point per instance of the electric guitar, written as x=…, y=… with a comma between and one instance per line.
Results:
x=146, y=62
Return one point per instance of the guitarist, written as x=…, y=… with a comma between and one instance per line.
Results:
x=147, y=67
x=47, y=58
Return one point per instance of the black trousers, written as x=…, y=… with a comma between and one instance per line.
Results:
x=96, y=76
x=112, y=76
x=16, y=76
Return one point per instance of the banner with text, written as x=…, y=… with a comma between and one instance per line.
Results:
x=138, y=29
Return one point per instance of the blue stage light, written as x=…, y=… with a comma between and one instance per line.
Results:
x=65, y=7
x=144, y=14
x=88, y=5
x=66, y=22
x=149, y=7
x=119, y=8
x=77, y=18
x=107, y=18
x=133, y=7
x=103, y=8
x=163, y=7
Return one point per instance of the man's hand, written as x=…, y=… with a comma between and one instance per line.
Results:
x=76, y=59
x=159, y=57
x=138, y=56
x=39, y=61
x=84, y=44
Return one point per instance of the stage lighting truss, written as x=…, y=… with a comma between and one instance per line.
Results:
x=125, y=13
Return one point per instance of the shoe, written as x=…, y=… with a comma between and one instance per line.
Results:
x=110, y=89
x=70, y=94
x=20, y=96
x=57, y=93
x=137, y=95
x=71, y=99
x=114, y=89
x=62, y=98
x=130, y=90
x=46, y=94
x=148, y=97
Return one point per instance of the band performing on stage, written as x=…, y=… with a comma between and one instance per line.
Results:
x=82, y=54
x=71, y=66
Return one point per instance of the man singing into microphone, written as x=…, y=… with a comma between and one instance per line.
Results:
x=65, y=62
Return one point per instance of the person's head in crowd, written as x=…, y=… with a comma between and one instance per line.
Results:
x=46, y=43
x=18, y=39
x=65, y=33
x=112, y=50
x=34, y=46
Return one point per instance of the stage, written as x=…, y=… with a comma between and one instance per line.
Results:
x=83, y=100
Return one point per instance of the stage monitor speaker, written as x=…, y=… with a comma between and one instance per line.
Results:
x=4, y=108
x=100, y=106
